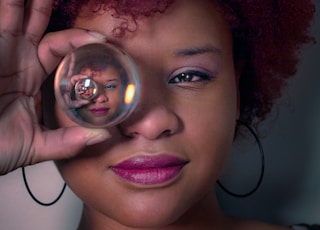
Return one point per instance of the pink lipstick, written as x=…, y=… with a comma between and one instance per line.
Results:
x=99, y=111
x=150, y=170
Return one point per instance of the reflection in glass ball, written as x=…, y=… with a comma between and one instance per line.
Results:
x=86, y=89
x=97, y=85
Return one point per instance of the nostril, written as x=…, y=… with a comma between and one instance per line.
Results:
x=167, y=133
x=132, y=135
x=156, y=122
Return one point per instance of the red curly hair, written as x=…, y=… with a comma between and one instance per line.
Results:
x=267, y=35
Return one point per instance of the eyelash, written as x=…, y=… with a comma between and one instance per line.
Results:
x=190, y=76
x=111, y=86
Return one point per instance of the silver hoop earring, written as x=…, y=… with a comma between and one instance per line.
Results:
x=33, y=196
x=240, y=123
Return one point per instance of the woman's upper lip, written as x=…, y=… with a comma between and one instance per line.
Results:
x=147, y=162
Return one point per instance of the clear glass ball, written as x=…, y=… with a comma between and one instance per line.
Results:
x=97, y=85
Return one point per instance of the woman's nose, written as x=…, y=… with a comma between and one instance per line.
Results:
x=102, y=97
x=155, y=115
x=151, y=122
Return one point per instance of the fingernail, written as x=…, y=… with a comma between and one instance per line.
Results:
x=97, y=35
x=97, y=136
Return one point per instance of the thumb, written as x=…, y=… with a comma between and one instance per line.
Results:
x=66, y=142
x=56, y=45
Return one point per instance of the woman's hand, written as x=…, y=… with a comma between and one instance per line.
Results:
x=26, y=59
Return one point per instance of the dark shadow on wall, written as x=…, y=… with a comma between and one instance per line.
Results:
x=290, y=190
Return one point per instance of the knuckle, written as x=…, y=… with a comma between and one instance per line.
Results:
x=14, y=3
x=44, y=10
x=32, y=38
x=9, y=33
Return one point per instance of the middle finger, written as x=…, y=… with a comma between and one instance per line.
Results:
x=37, y=17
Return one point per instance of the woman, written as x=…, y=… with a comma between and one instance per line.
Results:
x=203, y=65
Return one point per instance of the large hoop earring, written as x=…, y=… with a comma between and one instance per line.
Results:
x=33, y=196
x=240, y=123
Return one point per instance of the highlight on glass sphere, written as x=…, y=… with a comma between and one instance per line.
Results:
x=97, y=85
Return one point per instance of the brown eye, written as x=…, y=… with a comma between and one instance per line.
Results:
x=191, y=76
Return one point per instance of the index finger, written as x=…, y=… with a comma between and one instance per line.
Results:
x=56, y=45
x=75, y=78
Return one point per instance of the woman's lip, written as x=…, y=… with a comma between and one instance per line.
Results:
x=150, y=170
x=99, y=111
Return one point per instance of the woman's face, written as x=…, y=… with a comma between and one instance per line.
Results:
x=165, y=158
x=106, y=103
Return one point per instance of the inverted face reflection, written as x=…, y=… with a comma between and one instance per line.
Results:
x=102, y=89
x=85, y=89
x=97, y=85
x=160, y=165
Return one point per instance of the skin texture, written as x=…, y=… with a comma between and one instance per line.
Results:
x=191, y=117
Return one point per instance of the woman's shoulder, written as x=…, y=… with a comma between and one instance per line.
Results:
x=305, y=227
x=240, y=224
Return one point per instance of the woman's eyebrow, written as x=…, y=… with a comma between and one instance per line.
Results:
x=197, y=50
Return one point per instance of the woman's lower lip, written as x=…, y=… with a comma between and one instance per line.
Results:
x=101, y=111
x=149, y=176
x=148, y=170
